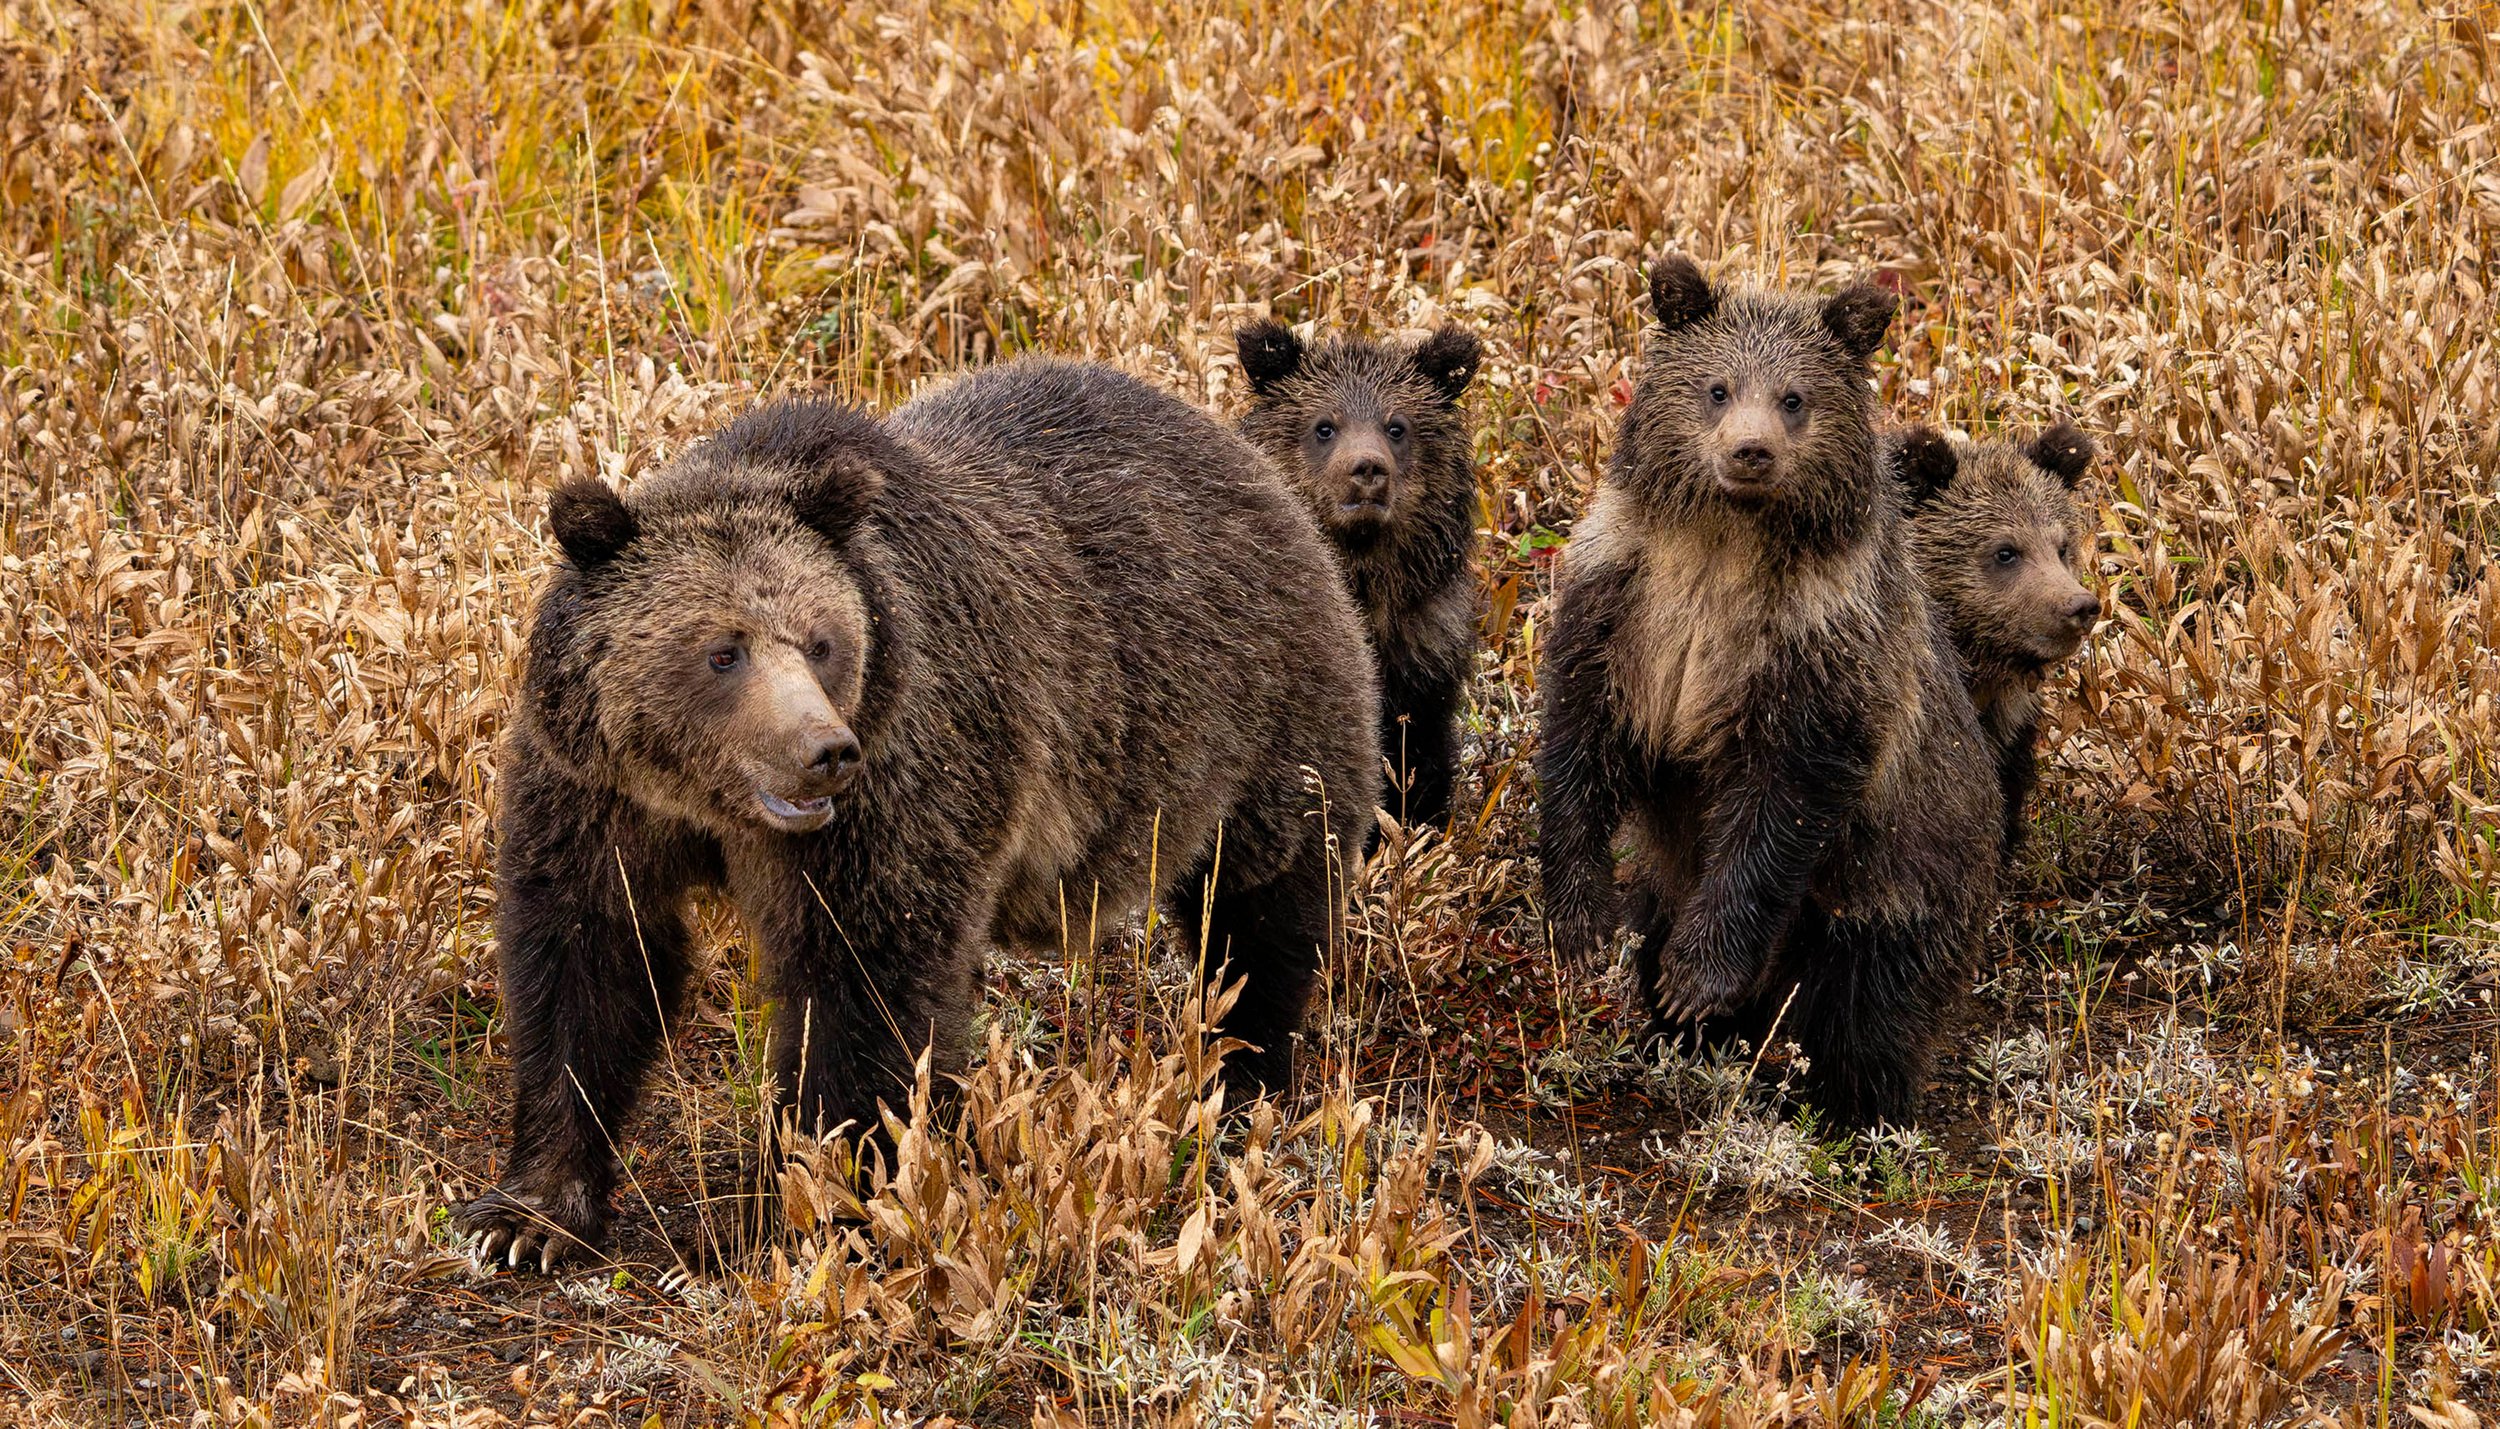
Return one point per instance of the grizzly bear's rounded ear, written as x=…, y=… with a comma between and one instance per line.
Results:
x=1858, y=316
x=2063, y=451
x=834, y=495
x=1923, y=461
x=1270, y=353
x=1448, y=361
x=590, y=522
x=1678, y=293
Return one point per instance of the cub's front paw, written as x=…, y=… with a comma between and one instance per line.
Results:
x=534, y=1229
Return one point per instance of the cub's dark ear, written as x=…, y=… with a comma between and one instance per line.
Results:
x=1678, y=293
x=836, y=492
x=1270, y=353
x=1923, y=462
x=590, y=522
x=2063, y=451
x=1858, y=316
x=1448, y=361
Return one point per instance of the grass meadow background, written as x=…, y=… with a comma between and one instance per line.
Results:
x=306, y=304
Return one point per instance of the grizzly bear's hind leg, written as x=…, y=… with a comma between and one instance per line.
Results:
x=1870, y=1016
x=1271, y=936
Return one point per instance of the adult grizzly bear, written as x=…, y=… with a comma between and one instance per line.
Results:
x=1373, y=438
x=1744, y=675
x=901, y=688
x=2000, y=545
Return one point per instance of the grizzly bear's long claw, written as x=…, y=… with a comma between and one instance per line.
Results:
x=518, y=1231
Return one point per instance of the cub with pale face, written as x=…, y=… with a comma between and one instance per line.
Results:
x=900, y=688
x=1373, y=438
x=1744, y=679
x=2000, y=543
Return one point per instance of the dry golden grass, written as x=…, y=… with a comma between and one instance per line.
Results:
x=305, y=303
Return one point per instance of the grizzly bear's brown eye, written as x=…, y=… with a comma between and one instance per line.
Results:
x=820, y=651
x=1325, y=431
x=2007, y=555
x=726, y=658
x=1792, y=402
x=1718, y=393
x=1397, y=431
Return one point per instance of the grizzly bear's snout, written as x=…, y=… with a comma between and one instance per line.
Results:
x=1750, y=439
x=1363, y=466
x=2066, y=609
x=790, y=739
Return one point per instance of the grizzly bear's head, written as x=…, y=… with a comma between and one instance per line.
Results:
x=1999, y=541
x=1757, y=401
x=711, y=646
x=1367, y=431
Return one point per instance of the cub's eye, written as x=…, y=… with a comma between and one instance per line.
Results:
x=820, y=652
x=1718, y=394
x=1325, y=431
x=2007, y=555
x=1397, y=431
x=727, y=657
x=1793, y=402
x=2065, y=550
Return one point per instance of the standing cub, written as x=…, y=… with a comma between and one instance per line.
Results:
x=901, y=688
x=1373, y=439
x=2000, y=546
x=1744, y=677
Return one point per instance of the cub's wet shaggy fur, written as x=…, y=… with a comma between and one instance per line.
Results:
x=901, y=687
x=2001, y=545
x=1744, y=676
x=1373, y=438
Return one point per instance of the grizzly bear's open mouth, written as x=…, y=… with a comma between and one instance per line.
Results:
x=805, y=816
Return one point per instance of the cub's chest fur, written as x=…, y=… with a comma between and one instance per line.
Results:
x=2008, y=706
x=1704, y=609
x=1690, y=638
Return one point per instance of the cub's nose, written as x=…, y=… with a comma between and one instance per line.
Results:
x=830, y=753
x=2082, y=611
x=1754, y=458
x=1368, y=481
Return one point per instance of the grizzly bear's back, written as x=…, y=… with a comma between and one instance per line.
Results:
x=1137, y=619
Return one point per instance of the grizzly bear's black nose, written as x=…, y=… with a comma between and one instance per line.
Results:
x=2081, y=612
x=1755, y=457
x=834, y=752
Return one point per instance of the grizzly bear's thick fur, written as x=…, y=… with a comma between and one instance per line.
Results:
x=1743, y=674
x=2000, y=545
x=1372, y=437
x=901, y=688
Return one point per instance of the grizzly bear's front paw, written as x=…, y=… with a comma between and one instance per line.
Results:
x=1696, y=984
x=543, y=1229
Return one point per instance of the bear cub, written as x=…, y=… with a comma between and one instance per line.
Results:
x=901, y=688
x=1373, y=438
x=2000, y=544
x=1743, y=680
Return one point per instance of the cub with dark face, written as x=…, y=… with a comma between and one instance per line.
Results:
x=901, y=688
x=1373, y=438
x=1743, y=675
x=2000, y=545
